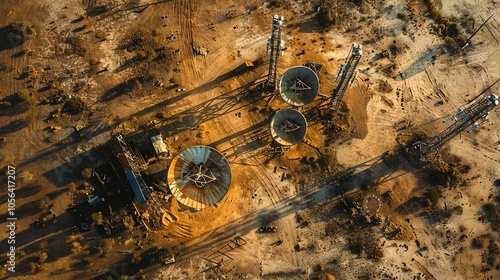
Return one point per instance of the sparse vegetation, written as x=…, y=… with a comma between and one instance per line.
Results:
x=80, y=60
x=97, y=218
x=128, y=222
x=76, y=247
x=24, y=95
x=365, y=243
x=44, y=204
x=74, y=106
x=446, y=27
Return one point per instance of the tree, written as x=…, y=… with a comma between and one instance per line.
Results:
x=72, y=187
x=97, y=218
x=44, y=204
x=42, y=257
x=164, y=255
x=87, y=173
x=76, y=247
x=33, y=267
x=74, y=106
x=23, y=95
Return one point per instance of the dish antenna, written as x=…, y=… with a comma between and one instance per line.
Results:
x=200, y=176
x=299, y=86
x=288, y=127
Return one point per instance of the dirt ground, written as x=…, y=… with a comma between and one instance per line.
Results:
x=440, y=221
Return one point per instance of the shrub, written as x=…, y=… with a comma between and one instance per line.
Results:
x=365, y=9
x=129, y=222
x=25, y=29
x=74, y=106
x=23, y=95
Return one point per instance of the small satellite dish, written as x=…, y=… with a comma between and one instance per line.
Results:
x=288, y=127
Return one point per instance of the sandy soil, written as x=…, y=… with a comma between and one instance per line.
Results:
x=312, y=193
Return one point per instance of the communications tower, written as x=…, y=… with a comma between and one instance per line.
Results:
x=424, y=151
x=347, y=74
x=274, y=44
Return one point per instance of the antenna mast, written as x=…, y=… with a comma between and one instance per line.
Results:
x=347, y=73
x=425, y=151
x=274, y=44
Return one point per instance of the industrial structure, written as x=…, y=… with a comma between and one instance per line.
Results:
x=199, y=176
x=347, y=74
x=148, y=203
x=288, y=127
x=299, y=86
x=274, y=44
x=422, y=152
x=132, y=165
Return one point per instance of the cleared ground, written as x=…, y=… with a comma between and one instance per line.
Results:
x=437, y=222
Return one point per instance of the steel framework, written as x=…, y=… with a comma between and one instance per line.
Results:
x=274, y=44
x=136, y=165
x=464, y=120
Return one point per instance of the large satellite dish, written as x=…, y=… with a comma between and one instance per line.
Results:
x=200, y=176
x=299, y=86
x=288, y=127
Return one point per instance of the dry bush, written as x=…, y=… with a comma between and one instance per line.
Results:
x=365, y=9
x=24, y=95
x=402, y=16
x=74, y=106
x=100, y=34
x=5, y=67
x=79, y=46
x=76, y=247
x=450, y=42
x=328, y=16
x=384, y=86
x=128, y=222
x=26, y=30
x=445, y=26
x=480, y=242
x=365, y=243
x=44, y=204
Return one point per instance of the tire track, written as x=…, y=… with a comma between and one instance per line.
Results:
x=185, y=12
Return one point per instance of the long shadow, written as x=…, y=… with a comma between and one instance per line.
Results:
x=119, y=90
x=10, y=38
x=27, y=190
x=256, y=136
x=129, y=63
x=225, y=103
x=13, y=126
x=310, y=25
x=29, y=209
x=205, y=87
x=419, y=65
x=65, y=173
x=11, y=106
x=313, y=195
x=104, y=11
x=187, y=115
x=325, y=191
x=29, y=242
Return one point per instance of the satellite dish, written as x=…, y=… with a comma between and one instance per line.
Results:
x=288, y=127
x=299, y=86
x=200, y=176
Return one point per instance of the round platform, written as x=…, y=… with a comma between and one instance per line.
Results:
x=198, y=177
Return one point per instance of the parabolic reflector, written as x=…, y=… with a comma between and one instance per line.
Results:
x=299, y=86
x=288, y=127
x=200, y=176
